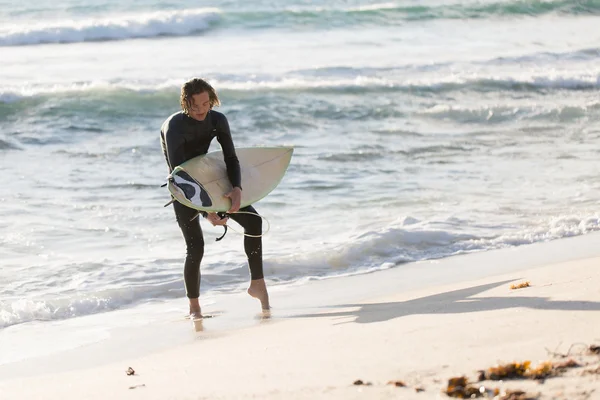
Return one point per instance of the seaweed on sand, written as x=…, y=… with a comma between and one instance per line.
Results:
x=525, y=371
x=462, y=389
x=520, y=285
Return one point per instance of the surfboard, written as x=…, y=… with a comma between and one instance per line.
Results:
x=202, y=181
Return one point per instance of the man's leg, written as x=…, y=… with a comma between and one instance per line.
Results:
x=194, y=241
x=252, y=225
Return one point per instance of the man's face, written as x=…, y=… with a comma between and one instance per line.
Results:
x=200, y=106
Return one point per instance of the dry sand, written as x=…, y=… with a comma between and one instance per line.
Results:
x=421, y=337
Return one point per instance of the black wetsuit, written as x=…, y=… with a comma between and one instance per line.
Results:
x=182, y=138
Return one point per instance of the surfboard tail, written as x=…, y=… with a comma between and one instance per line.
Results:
x=188, y=190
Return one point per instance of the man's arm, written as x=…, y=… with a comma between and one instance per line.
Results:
x=174, y=142
x=229, y=156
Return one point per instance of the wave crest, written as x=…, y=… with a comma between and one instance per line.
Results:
x=352, y=84
x=193, y=21
x=155, y=24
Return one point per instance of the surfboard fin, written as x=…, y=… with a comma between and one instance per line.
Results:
x=172, y=198
x=195, y=216
x=169, y=203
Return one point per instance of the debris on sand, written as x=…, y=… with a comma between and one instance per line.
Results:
x=397, y=383
x=461, y=388
x=594, y=371
x=566, y=365
x=542, y=371
x=507, y=371
x=130, y=371
x=516, y=395
x=593, y=349
x=589, y=350
x=137, y=386
x=520, y=285
x=525, y=371
x=359, y=382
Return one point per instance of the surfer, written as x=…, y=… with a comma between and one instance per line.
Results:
x=185, y=135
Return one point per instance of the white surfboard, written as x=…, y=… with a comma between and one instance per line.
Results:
x=202, y=181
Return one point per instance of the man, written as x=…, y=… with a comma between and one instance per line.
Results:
x=185, y=135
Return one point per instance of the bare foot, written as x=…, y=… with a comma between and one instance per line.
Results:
x=266, y=314
x=258, y=290
x=196, y=315
x=195, y=311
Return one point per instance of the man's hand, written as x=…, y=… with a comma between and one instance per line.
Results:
x=236, y=198
x=214, y=219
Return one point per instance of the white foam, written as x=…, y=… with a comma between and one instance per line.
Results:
x=408, y=240
x=160, y=23
x=15, y=94
x=404, y=240
x=25, y=310
x=589, y=81
x=375, y=7
x=555, y=228
x=538, y=79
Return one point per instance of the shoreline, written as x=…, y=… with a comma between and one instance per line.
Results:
x=428, y=320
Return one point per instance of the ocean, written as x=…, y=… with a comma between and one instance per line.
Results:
x=422, y=130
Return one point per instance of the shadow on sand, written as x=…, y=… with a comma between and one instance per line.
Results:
x=453, y=302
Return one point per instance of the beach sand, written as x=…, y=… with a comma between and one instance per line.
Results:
x=375, y=330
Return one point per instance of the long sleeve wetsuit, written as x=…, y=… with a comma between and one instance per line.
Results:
x=183, y=138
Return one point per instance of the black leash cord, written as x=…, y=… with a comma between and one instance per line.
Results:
x=223, y=215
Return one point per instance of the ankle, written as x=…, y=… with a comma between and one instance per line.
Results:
x=194, y=305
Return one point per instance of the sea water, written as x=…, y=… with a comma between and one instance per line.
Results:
x=422, y=129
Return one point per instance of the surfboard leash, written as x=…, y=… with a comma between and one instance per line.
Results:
x=225, y=215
